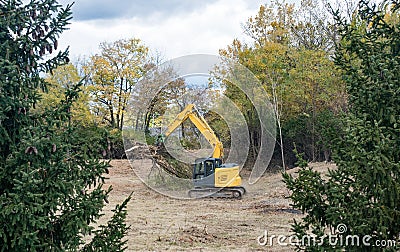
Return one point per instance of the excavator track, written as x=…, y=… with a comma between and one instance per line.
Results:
x=215, y=192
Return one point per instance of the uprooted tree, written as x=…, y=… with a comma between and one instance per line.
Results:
x=50, y=191
x=363, y=192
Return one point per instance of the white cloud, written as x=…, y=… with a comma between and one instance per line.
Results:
x=203, y=30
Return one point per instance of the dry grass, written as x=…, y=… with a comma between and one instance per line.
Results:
x=160, y=223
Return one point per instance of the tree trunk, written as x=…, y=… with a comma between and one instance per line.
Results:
x=112, y=118
x=138, y=115
x=124, y=103
x=147, y=122
x=119, y=103
x=313, y=123
x=278, y=120
x=183, y=130
x=281, y=143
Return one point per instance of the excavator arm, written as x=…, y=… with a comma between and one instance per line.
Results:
x=191, y=113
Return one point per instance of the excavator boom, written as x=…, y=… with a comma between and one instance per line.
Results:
x=191, y=113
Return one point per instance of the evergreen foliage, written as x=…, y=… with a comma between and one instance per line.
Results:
x=363, y=192
x=46, y=203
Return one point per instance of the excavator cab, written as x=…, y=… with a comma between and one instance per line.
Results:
x=204, y=167
x=210, y=175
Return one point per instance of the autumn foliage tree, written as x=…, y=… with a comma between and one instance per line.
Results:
x=46, y=203
x=112, y=75
x=291, y=56
x=61, y=79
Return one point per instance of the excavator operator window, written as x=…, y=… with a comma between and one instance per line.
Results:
x=209, y=167
x=199, y=170
x=218, y=163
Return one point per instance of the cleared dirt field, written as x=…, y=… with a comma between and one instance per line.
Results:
x=160, y=223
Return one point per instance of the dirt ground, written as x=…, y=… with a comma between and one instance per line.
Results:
x=160, y=223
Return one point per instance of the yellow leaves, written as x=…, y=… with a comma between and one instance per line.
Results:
x=275, y=24
x=113, y=73
x=302, y=79
x=120, y=59
x=63, y=78
x=318, y=77
x=101, y=70
x=392, y=17
x=271, y=24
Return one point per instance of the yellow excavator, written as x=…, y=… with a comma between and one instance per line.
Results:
x=211, y=177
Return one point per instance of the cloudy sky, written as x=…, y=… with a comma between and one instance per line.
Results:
x=172, y=27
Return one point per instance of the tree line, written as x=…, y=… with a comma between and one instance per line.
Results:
x=290, y=51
